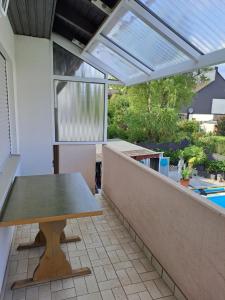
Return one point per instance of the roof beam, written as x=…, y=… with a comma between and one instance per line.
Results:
x=125, y=55
x=107, y=68
x=162, y=29
x=206, y=60
x=101, y=28
x=75, y=25
x=102, y=6
x=72, y=48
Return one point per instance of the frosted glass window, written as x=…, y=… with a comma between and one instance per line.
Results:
x=115, y=61
x=201, y=22
x=138, y=39
x=79, y=112
x=67, y=64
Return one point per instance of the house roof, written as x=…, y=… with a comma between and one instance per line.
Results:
x=203, y=100
x=135, y=41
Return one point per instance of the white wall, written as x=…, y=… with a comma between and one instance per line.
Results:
x=33, y=71
x=8, y=50
x=201, y=117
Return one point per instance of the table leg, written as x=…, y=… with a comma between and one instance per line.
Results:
x=40, y=241
x=53, y=264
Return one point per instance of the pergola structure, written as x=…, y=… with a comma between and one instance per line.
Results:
x=135, y=41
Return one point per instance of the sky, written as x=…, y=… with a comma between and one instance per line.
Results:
x=221, y=69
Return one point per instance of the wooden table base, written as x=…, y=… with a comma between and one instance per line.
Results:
x=30, y=281
x=40, y=241
x=53, y=264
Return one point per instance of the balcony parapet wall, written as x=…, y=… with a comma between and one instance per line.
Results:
x=183, y=231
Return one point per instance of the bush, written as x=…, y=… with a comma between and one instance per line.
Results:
x=215, y=166
x=221, y=126
x=212, y=143
x=188, y=129
x=193, y=155
x=174, y=156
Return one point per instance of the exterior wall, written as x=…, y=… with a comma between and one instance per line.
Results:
x=7, y=47
x=202, y=101
x=184, y=232
x=34, y=92
x=79, y=158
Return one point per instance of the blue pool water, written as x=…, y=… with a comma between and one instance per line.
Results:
x=215, y=194
x=219, y=200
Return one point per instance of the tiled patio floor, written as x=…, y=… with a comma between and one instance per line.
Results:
x=120, y=269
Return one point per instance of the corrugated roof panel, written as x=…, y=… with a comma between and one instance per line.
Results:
x=115, y=61
x=141, y=41
x=200, y=22
x=32, y=18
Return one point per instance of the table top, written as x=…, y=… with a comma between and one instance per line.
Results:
x=46, y=198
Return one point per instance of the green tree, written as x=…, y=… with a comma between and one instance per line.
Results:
x=149, y=111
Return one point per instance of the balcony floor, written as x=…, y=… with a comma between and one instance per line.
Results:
x=120, y=270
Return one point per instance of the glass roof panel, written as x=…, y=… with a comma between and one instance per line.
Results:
x=116, y=62
x=68, y=64
x=200, y=22
x=141, y=41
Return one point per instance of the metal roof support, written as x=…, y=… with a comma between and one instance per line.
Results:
x=125, y=55
x=206, y=60
x=102, y=6
x=162, y=29
x=71, y=47
x=74, y=25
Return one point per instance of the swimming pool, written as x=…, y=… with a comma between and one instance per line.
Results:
x=214, y=194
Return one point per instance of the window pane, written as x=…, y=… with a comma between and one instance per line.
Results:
x=201, y=22
x=80, y=111
x=116, y=62
x=67, y=64
x=137, y=38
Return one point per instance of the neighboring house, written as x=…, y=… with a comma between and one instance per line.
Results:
x=209, y=102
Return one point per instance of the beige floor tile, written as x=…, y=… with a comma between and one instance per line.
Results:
x=119, y=293
x=149, y=276
x=107, y=295
x=95, y=296
x=165, y=291
x=32, y=293
x=56, y=285
x=152, y=289
x=134, y=288
x=109, y=272
x=100, y=274
x=109, y=284
x=91, y=283
x=45, y=292
x=64, y=294
x=80, y=286
x=133, y=275
x=123, y=277
x=145, y=296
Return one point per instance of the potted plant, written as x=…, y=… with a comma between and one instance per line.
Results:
x=185, y=176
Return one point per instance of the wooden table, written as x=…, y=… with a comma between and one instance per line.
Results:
x=49, y=200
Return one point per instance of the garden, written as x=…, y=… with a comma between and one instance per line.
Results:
x=148, y=114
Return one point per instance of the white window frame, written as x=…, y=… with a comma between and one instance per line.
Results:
x=75, y=50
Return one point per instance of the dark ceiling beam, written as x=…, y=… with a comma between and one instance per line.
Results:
x=88, y=33
x=77, y=18
x=102, y=6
